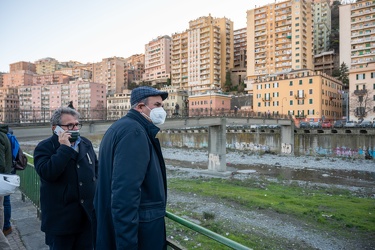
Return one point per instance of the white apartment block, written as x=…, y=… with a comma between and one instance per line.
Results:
x=322, y=25
x=357, y=51
x=157, y=60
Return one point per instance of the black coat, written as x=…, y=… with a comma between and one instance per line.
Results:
x=130, y=201
x=68, y=183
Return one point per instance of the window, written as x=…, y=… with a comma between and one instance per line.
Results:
x=291, y=93
x=310, y=91
x=291, y=102
x=360, y=76
x=310, y=101
x=291, y=83
x=310, y=80
x=300, y=82
x=372, y=74
x=297, y=61
x=258, y=104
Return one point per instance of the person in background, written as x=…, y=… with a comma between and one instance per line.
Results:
x=7, y=228
x=130, y=201
x=67, y=165
x=5, y=168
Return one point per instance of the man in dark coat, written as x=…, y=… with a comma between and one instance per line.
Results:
x=130, y=201
x=67, y=166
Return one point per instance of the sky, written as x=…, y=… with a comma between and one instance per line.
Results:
x=90, y=30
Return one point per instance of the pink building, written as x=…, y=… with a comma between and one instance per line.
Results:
x=210, y=104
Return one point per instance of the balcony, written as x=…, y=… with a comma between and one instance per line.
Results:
x=360, y=92
x=299, y=97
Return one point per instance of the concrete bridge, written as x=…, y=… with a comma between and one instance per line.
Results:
x=216, y=132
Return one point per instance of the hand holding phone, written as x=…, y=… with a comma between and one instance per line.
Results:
x=58, y=130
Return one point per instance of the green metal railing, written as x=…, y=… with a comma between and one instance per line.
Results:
x=30, y=184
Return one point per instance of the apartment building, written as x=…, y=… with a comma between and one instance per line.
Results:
x=322, y=25
x=358, y=20
x=326, y=62
x=158, y=60
x=37, y=102
x=304, y=94
x=357, y=51
x=210, y=104
x=202, y=54
x=177, y=101
x=22, y=66
x=9, y=105
x=362, y=93
x=46, y=65
x=238, y=72
x=110, y=71
x=18, y=78
x=279, y=39
x=118, y=105
x=53, y=78
x=134, y=68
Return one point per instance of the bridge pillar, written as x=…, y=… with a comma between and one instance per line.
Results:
x=287, y=140
x=217, y=141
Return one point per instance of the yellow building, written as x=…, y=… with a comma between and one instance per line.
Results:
x=202, y=54
x=279, y=38
x=304, y=94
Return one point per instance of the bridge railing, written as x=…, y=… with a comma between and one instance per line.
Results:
x=32, y=116
x=30, y=188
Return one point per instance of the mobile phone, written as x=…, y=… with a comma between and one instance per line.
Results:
x=58, y=130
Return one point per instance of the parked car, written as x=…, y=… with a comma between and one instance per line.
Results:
x=339, y=124
x=315, y=124
x=304, y=125
x=350, y=124
x=326, y=124
x=365, y=124
x=274, y=126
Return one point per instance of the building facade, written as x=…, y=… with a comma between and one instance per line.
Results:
x=209, y=104
x=9, y=105
x=303, y=94
x=110, y=71
x=322, y=25
x=238, y=72
x=46, y=65
x=22, y=66
x=203, y=54
x=158, y=60
x=279, y=38
x=118, y=105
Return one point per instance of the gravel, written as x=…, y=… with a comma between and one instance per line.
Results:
x=289, y=232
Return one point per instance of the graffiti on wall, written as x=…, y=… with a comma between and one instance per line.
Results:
x=286, y=148
x=347, y=152
x=213, y=162
x=248, y=146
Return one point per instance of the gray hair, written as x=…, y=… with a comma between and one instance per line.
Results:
x=56, y=116
x=145, y=101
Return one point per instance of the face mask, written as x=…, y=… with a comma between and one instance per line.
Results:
x=157, y=115
x=74, y=135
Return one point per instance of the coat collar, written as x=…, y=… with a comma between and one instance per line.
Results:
x=151, y=129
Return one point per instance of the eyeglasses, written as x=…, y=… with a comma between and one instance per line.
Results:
x=71, y=126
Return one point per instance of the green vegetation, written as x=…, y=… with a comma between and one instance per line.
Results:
x=328, y=209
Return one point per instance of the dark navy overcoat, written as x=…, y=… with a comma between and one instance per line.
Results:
x=67, y=185
x=130, y=201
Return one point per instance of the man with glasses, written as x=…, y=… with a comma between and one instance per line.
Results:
x=67, y=166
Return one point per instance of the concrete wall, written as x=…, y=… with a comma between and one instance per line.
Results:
x=335, y=145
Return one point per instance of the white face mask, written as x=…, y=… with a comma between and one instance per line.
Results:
x=157, y=115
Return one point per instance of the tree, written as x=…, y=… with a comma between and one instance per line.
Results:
x=343, y=74
x=361, y=103
x=228, y=82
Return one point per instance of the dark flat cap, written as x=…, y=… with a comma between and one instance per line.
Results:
x=143, y=92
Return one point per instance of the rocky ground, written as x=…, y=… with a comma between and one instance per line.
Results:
x=288, y=232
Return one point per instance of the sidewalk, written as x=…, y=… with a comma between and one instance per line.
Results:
x=26, y=233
